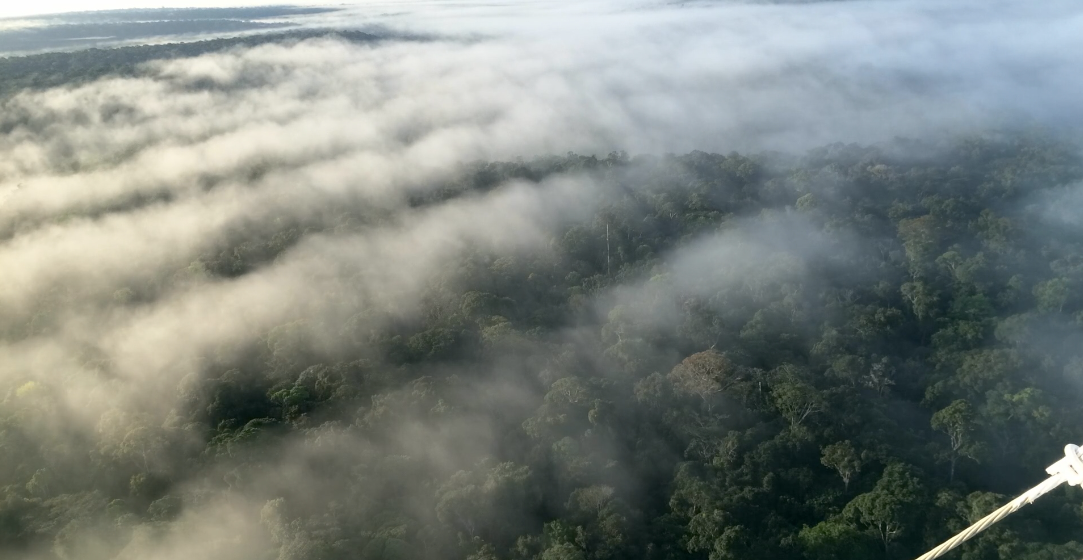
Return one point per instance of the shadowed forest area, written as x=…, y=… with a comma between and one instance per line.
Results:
x=851, y=353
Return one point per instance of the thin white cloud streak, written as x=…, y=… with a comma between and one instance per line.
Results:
x=751, y=261
x=149, y=348
x=725, y=77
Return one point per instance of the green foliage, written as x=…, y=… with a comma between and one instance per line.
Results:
x=894, y=507
x=833, y=540
x=843, y=459
x=763, y=329
x=957, y=421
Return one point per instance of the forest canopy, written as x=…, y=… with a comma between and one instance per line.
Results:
x=342, y=296
x=729, y=356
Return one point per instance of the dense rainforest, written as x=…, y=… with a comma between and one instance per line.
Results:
x=847, y=354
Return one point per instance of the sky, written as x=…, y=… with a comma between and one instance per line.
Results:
x=42, y=7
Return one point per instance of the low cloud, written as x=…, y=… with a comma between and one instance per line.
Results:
x=114, y=193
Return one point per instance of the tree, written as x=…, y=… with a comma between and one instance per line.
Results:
x=921, y=297
x=141, y=445
x=835, y=540
x=704, y=375
x=880, y=377
x=893, y=506
x=602, y=521
x=1052, y=295
x=562, y=551
x=957, y=421
x=844, y=459
x=796, y=400
x=920, y=237
x=849, y=369
x=479, y=502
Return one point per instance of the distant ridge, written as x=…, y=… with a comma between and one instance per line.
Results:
x=41, y=71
